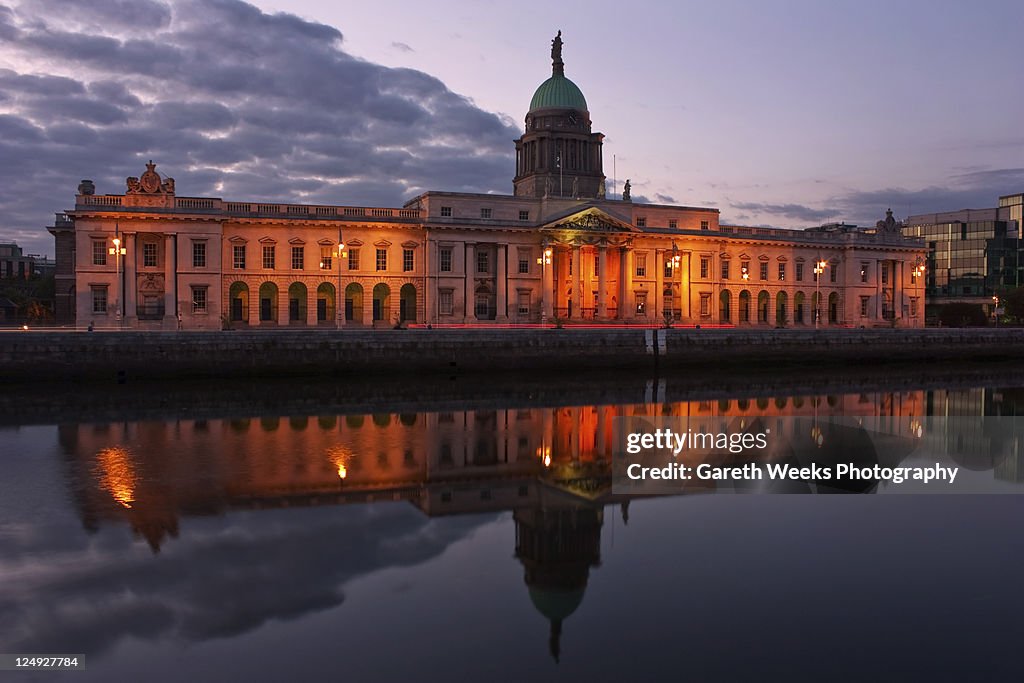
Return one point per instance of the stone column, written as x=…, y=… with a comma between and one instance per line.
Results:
x=684, y=287
x=170, y=283
x=128, y=262
x=897, y=284
x=627, y=307
x=602, y=280
x=879, y=296
x=577, y=283
x=659, y=285
x=469, y=268
x=502, y=270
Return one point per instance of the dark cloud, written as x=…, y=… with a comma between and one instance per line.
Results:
x=794, y=211
x=255, y=567
x=231, y=102
x=134, y=14
x=665, y=198
x=403, y=47
x=974, y=190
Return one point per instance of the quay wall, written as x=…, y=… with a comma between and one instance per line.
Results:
x=122, y=356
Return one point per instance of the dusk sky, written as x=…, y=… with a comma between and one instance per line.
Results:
x=787, y=114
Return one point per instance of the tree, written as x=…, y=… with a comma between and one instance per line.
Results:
x=1013, y=302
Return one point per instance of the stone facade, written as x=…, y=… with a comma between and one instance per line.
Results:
x=552, y=251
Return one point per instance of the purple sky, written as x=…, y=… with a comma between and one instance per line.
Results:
x=779, y=113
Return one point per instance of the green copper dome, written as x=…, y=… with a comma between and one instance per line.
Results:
x=558, y=92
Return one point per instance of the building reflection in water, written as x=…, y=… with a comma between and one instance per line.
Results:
x=551, y=467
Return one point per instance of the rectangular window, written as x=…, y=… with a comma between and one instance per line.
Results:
x=913, y=307
x=782, y=272
x=149, y=255
x=99, y=253
x=885, y=275
x=326, y=258
x=799, y=272
x=485, y=213
x=641, y=303
x=745, y=270
x=446, y=260
x=524, y=215
x=524, y=303
x=763, y=270
x=641, y=265
x=268, y=256
x=483, y=263
x=353, y=259
x=725, y=269
x=444, y=302
x=705, y=305
x=832, y=273
x=864, y=265
x=673, y=223
x=298, y=258
x=705, y=266
x=668, y=267
x=198, y=254
x=238, y=256
x=641, y=222
x=524, y=261
x=382, y=259
x=407, y=261
x=446, y=211
x=99, y=298
x=864, y=300
x=704, y=225
x=199, y=299
x=483, y=307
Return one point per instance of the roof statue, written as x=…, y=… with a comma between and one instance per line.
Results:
x=889, y=225
x=625, y=192
x=557, y=66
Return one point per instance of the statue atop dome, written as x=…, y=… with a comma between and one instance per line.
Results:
x=557, y=66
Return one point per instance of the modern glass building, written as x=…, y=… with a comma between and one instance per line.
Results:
x=973, y=254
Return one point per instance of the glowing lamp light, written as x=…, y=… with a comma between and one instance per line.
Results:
x=547, y=460
x=342, y=471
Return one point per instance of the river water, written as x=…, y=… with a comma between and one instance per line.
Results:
x=471, y=533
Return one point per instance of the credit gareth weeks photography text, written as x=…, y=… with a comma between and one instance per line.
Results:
x=589, y=341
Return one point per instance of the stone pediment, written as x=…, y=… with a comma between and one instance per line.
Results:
x=592, y=220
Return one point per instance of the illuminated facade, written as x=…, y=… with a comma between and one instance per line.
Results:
x=558, y=248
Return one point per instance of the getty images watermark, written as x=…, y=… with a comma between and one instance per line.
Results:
x=707, y=453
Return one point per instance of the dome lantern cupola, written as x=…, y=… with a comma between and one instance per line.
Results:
x=559, y=155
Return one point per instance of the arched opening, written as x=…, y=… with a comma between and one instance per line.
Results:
x=268, y=302
x=763, y=306
x=780, y=309
x=833, y=308
x=744, y=306
x=325, y=303
x=407, y=303
x=798, y=308
x=381, y=302
x=239, y=297
x=354, y=302
x=724, y=300
x=297, y=304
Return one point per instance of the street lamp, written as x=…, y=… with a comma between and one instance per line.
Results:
x=340, y=299
x=819, y=268
x=117, y=251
